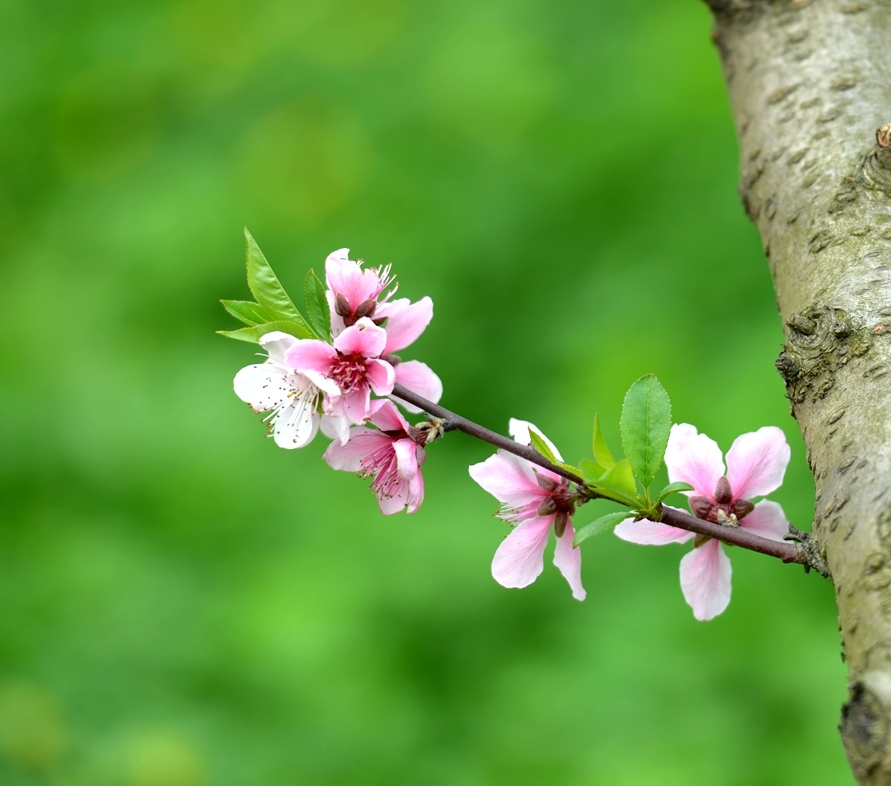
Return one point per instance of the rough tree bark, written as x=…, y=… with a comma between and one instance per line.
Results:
x=810, y=83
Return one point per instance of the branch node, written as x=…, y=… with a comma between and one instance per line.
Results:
x=808, y=551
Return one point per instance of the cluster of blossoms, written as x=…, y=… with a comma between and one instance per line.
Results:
x=307, y=385
x=344, y=386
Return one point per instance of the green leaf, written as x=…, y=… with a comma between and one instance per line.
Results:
x=255, y=333
x=600, y=525
x=542, y=446
x=619, y=480
x=672, y=488
x=317, y=308
x=266, y=287
x=247, y=312
x=592, y=472
x=569, y=468
x=602, y=453
x=645, y=424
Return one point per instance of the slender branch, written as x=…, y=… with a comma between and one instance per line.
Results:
x=453, y=422
x=735, y=536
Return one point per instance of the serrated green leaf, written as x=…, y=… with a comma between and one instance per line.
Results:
x=600, y=525
x=672, y=488
x=592, y=472
x=246, y=311
x=266, y=288
x=255, y=333
x=542, y=446
x=602, y=453
x=317, y=308
x=645, y=425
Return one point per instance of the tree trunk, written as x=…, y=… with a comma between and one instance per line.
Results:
x=810, y=83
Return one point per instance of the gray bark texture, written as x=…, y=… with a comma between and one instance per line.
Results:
x=810, y=84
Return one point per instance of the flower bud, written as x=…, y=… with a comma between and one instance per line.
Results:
x=723, y=492
x=701, y=506
x=342, y=305
x=365, y=309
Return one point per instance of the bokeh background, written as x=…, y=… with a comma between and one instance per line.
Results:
x=184, y=604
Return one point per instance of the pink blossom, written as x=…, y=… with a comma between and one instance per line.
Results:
x=291, y=398
x=389, y=454
x=533, y=499
x=405, y=322
x=756, y=463
x=353, y=291
x=354, y=365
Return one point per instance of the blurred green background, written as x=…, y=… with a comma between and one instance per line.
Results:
x=184, y=604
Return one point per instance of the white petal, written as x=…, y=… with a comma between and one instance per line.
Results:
x=264, y=386
x=297, y=423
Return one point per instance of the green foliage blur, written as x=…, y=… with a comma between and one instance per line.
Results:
x=184, y=604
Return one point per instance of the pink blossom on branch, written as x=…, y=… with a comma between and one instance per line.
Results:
x=353, y=291
x=533, y=500
x=756, y=463
x=387, y=453
x=354, y=365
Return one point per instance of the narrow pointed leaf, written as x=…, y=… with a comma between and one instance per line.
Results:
x=542, y=447
x=266, y=288
x=247, y=312
x=645, y=424
x=569, y=468
x=599, y=526
x=317, y=308
x=255, y=333
x=672, y=488
x=602, y=453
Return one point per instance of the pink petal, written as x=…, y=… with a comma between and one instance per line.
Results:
x=569, y=562
x=380, y=375
x=651, y=533
x=337, y=428
x=407, y=464
x=405, y=321
x=418, y=378
x=386, y=417
x=705, y=580
x=509, y=479
x=693, y=458
x=311, y=355
x=415, y=493
x=364, y=338
x=519, y=559
x=767, y=520
x=757, y=462
x=519, y=430
x=394, y=504
x=347, y=278
x=362, y=443
x=354, y=405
